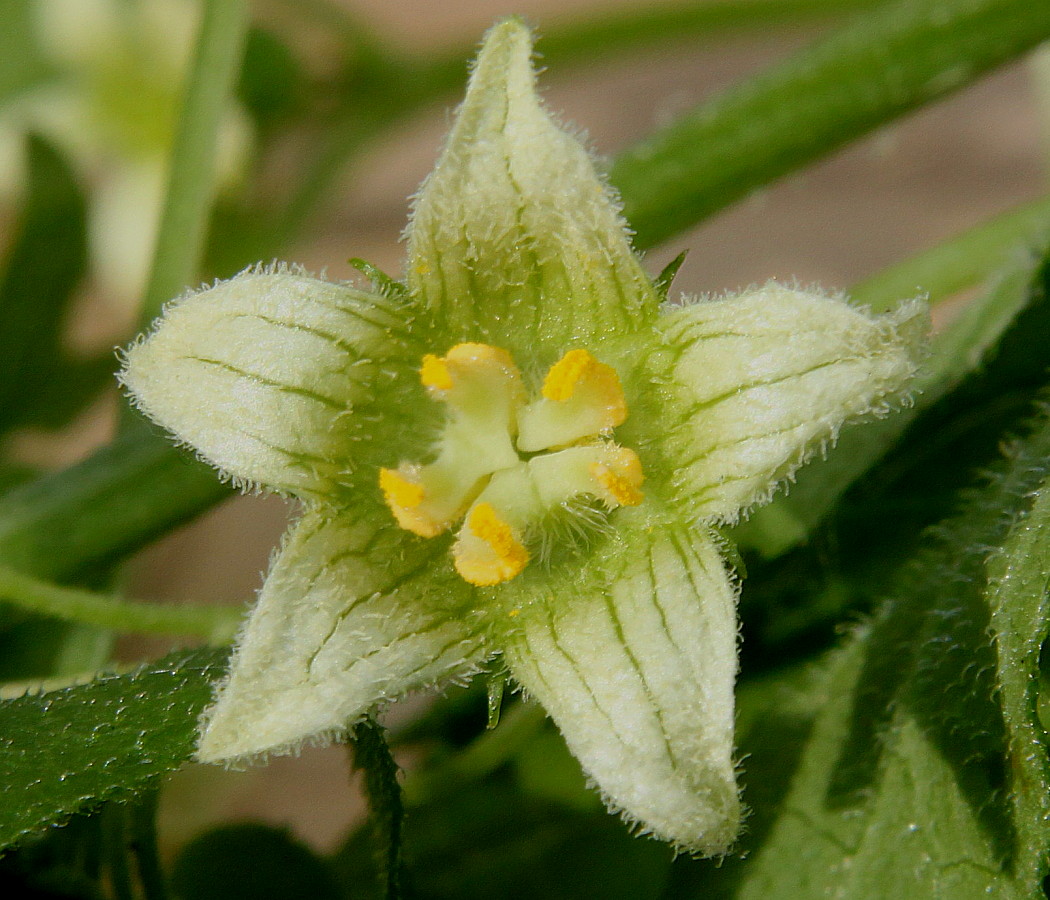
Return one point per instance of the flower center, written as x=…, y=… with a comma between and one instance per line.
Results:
x=504, y=462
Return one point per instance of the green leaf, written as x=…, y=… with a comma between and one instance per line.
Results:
x=103, y=508
x=925, y=772
x=66, y=751
x=43, y=268
x=879, y=67
x=251, y=862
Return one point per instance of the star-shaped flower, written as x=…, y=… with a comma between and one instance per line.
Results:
x=517, y=452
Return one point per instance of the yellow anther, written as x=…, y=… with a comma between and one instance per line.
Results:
x=620, y=477
x=566, y=373
x=404, y=498
x=440, y=372
x=398, y=490
x=434, y=373
x=475, y=354
x=582, y=398
x=487, y=551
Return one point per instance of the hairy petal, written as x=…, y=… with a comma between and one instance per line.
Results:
x=353, y=613
x=635, y=663
x=263, y=375
x=746, y=388
x=514, y=238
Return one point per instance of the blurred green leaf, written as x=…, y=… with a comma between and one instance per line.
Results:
x=251, y=862
x=271, y=81
x=885, y=63
x=488, y=839
x=62, y=862
x=40, y=647
x=111, y=504
x=38, y=384
x=21, y=62
x=67, y=750
x=545, y=767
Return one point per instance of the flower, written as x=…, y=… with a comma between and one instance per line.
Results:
x=516, y=452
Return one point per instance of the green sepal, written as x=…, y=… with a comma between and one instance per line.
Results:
x=746, y=388
x=514, y=239
x=274, y=377
x=354, y=612
x=633, y=655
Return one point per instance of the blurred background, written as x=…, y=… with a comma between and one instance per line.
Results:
x=111, y=111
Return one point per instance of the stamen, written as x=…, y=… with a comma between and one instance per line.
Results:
x=487, y=551
x=582, y=398
x=622, y=488
x=565, y=374
x=480, y=354
x=398, y=490
x=405, y=497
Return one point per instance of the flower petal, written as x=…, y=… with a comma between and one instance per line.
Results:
x=754, y=384
x=353, y=613
x=636, y=664
x=262, y=372
x=514, y=237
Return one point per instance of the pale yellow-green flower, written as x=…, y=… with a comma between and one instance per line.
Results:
x=517, y=452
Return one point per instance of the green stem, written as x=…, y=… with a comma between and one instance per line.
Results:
x=958, y=263
x=191, y=184
x=370, y=753
x=217, y=624
x=890, y=61
x=634, y=29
